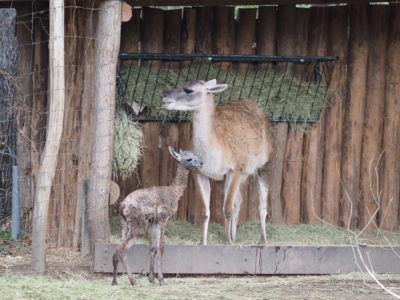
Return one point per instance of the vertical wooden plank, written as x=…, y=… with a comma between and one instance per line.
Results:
x=389, y=219
x=150, y=162
x=186, y=206
x=152, y=35
x=223, y=39
x=204, y=23
x=170, y=132
x=188, y=30
x=266, y=45
x=337, y=46
x=293, y=160
x=374, y=109
x=285, y=46
x=23, y=31
x=312, y=170
x=354, y=116
x=86, y=132
x=244, y=44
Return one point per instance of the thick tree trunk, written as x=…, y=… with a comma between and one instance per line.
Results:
x=107, y=49
x=54, y=130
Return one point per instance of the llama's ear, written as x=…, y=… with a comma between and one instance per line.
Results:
x=213, y=87
x=173, y=153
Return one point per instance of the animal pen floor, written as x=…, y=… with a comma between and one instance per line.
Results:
x=70, y=276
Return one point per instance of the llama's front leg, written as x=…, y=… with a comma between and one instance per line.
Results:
x=235, y=214
x=231, y=189
x=154, y=246
x=205, y=191
x=262, y=206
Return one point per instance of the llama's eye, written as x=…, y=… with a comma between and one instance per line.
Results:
x=187, y=91
x=189, y=160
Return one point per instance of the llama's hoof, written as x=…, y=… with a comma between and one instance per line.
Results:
x=262, y=243
x=228, y=243
x=151, y=279
x=161, y=281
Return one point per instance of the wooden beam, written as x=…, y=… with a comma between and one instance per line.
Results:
x=256, y=260
x=9, y=3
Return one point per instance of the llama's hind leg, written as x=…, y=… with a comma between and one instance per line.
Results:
x=120, y=254
x=154, y=246
x=161, y=253
x=231, y=189
x=262, y=206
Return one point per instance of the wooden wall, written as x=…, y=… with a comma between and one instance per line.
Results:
x=343, y=170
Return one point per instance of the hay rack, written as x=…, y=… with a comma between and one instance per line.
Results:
x=288, y=88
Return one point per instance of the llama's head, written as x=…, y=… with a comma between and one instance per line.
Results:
x=187, y=159
x=190, y=95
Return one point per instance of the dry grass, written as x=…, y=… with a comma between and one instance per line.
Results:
x=73, y=286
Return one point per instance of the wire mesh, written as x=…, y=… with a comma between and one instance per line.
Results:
x=288, y=88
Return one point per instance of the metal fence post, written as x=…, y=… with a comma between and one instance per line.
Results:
x=16, y=206
x=85, y=232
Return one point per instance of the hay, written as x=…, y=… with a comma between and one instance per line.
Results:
x=128, y=144
x=277, y=93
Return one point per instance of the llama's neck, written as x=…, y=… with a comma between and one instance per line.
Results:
x=204, y=125
x=180, y=181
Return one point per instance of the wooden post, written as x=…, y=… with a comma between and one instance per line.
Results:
x=86, y=132
x=354, y=116
x=293, y=160
x=391, y=137
x=312, y=168
x=106, y=56
x=54, y=131
x=24, y=100
x=337, y=46
x=374, y=109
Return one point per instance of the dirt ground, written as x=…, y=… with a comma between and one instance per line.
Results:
x=70, y=276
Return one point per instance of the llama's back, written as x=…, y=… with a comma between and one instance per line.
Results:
x=244, y=121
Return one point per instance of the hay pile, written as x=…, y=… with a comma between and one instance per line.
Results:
x=280, y=95
x=128, y=144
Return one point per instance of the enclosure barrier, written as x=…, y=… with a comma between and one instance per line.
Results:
x=288, y=88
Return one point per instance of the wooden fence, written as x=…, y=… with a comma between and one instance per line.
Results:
x=325, y=173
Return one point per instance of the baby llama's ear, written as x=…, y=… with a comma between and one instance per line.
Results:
x=174, y=154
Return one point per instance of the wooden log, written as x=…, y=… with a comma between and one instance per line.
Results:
x=312, y=170
x=373, y=122
x=106, y=56
x=55, y=124
x=204, y=23
x=150, y=162
x=223, y=38
x=354, y=116
x=172, y=33
x=293, y=160
x=285, y=46
x=86, y=132
x=24, y=106
x=152, y=36
x=337, y=43
x=130, y=33
x=389, y=219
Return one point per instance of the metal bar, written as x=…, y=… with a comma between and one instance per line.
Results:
x=244, y=80
x=226, y=57
x=186, y=119
x=16, y=206
x=84, y=228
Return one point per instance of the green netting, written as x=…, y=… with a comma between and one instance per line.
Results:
x=283, y=90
